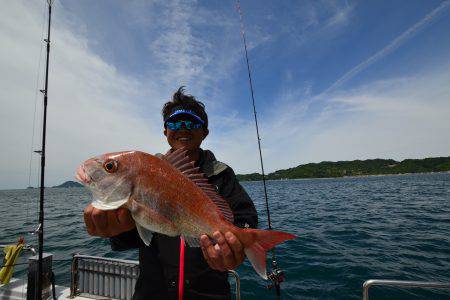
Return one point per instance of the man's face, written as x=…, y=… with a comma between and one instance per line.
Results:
x=185, y=138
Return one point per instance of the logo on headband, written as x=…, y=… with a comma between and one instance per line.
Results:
x=185, y=112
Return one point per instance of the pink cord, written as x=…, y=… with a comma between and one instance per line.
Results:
x=181, y=271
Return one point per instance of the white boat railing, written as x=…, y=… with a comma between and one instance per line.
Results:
x=109, y=277
x=103, y=277
x=401, y=283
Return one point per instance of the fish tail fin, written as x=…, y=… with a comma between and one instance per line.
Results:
x=263, y=240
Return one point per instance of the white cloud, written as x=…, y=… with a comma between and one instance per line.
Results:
x=397, y=42
x=340, y=15
x=182, y=54
x=191, y=45
x=397, y=118
x=94, y=108
x=316, y=21
x=90, y=107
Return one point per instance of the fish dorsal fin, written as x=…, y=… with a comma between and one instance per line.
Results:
x=181, y=162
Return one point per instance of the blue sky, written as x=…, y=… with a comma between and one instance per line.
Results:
x=333, y=80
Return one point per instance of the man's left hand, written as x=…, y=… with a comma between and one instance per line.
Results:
x=226, y=255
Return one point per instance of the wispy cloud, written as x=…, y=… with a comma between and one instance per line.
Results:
x=89, y=110
x=192, y=45
x=182, y=54
x=94, y=107
x=396, y=118
x=340, y=15
x=397, y=42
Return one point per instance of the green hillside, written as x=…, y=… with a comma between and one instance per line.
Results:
x=327, y=169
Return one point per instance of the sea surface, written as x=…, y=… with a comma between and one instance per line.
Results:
x=349, y=230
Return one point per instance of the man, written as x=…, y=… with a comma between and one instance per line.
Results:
x=185, y=126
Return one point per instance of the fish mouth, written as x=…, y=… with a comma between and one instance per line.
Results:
x=82, y=177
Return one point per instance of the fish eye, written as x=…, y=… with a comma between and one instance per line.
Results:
x=110, y=166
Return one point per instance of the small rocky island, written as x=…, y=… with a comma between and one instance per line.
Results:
x=69, y=184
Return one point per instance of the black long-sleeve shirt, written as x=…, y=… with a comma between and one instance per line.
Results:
x=159, y=262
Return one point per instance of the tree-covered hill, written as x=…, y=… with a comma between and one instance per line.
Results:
x=356, y=168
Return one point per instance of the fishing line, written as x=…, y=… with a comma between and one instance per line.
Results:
x=254, y=111
x=276, y=276
x=35, y=108
x=36, y=96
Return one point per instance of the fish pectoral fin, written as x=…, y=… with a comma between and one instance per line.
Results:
x=145, y=234
x=192, y=241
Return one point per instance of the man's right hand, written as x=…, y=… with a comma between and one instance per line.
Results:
x=107, y=223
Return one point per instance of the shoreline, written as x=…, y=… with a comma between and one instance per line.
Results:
x=353, y=176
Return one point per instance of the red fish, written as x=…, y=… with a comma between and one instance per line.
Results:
x=168, y=195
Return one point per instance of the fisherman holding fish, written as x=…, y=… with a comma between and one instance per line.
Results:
x=157, y=203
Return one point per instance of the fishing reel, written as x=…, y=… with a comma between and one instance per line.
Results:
x=276, y=276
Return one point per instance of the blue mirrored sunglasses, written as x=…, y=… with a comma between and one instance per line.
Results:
x=174, y=126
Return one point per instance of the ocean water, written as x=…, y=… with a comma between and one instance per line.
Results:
x=349, y=230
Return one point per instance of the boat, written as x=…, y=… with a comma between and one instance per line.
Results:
x=92, y=277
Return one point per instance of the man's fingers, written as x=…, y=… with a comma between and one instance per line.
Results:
x=114, y=227
x=229, y=262
x=100, y=220
x=211, y=253
x=236, y=247
x=204, y=243
x=125, y=219
x=87, y=214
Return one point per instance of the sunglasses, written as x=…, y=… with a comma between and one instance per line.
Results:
x=174, y=126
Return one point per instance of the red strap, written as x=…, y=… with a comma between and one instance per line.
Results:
x=181, y=270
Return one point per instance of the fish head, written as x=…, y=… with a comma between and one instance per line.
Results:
x=110, y=178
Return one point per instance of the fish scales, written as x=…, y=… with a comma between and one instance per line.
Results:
x=176, y=200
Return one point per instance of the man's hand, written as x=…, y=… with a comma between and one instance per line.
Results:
x=107, y=223
x=227, y=254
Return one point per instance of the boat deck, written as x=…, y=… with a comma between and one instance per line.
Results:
x=94, y=277
x=17, y=290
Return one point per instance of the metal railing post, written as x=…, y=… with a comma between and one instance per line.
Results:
x=401, y=283
x=73, y=276
x=237, y=283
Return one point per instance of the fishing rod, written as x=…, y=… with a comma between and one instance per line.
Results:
x=276, y=276
x=40, y=229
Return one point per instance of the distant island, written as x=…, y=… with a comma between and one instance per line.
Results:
x=69, y=184
x=328, y=169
